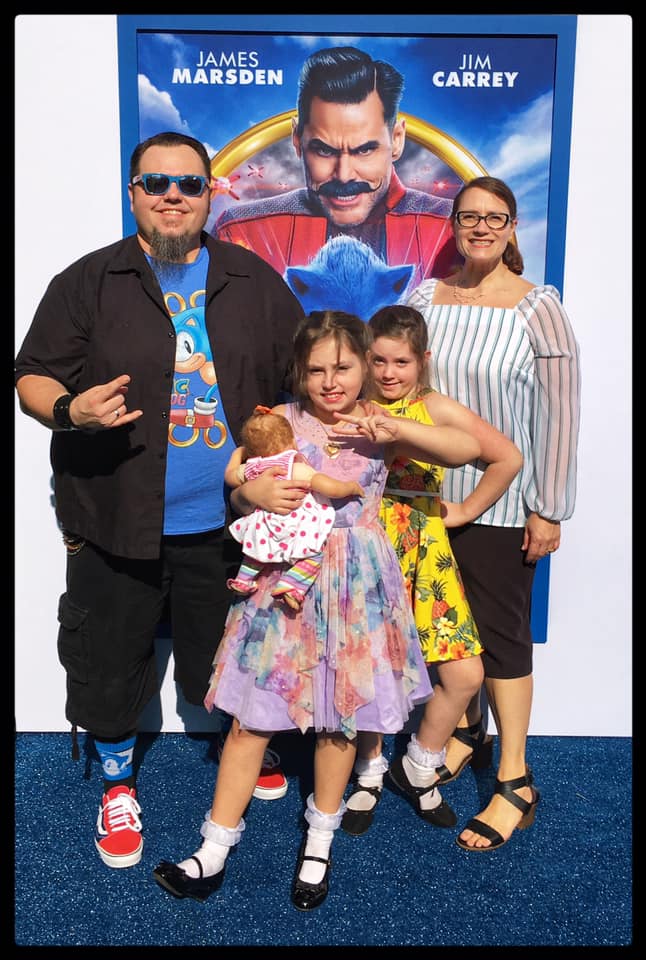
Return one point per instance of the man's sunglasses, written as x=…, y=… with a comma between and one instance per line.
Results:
x=157, y=184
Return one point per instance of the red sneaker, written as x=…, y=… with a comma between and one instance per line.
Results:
x=118, y=828
x=272, y=782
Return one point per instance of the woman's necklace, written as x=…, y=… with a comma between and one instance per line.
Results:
x=465, y=297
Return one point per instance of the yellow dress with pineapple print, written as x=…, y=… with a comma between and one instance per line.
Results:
x=410, y=513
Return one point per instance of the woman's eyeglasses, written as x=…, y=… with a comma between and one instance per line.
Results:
x=495, y=221
x=157, y=184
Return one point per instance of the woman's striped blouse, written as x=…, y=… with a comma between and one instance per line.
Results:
x=518, y=368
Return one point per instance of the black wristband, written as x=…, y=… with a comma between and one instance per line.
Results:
x=61, y=412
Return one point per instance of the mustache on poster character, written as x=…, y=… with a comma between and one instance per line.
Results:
x=335, y=188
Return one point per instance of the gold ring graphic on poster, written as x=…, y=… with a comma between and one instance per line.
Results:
x=269, y=131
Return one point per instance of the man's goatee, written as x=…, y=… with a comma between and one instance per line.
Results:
x=172, y=249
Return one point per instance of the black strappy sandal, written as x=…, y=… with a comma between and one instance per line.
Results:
x=527, y=807
x=481, y=755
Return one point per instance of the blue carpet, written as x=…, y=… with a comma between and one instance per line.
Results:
x=565, y=882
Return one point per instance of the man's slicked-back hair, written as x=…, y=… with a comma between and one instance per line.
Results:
x=347, y=75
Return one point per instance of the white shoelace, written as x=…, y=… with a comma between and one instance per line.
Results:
x=122, y=813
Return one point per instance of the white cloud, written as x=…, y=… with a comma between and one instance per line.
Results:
x=158, y=107
x=176, y=47
x=525, y=138
x=159, y=110
x=520, y=155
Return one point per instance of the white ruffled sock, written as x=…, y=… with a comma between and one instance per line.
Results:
x=419, y=766
x=370, y=773
x=320, y=834
x=213, y=853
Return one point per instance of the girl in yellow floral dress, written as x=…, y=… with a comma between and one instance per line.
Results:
x=416, y=518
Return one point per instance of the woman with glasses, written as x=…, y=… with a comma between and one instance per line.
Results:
x=504, y=347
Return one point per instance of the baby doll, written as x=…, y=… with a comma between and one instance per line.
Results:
x=296, y=539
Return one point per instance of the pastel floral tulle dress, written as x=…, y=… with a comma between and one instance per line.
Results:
x=410, y=512
x=350, y=658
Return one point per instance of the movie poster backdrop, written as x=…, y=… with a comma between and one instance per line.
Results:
x=482, y=95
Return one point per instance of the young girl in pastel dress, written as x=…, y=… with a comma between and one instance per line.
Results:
x=416, y=518
x=297, y=538
x=350, y=658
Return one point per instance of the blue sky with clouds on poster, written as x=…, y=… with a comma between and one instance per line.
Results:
x=506, y=125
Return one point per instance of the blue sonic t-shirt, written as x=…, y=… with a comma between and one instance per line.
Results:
x=199, y=438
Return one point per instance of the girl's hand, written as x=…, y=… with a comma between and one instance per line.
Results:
x=454, y=514
x=268, y=493
x=377, y=425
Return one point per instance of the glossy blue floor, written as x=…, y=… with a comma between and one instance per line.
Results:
x=566, y=881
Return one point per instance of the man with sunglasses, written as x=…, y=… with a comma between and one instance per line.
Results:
x=144, y=358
